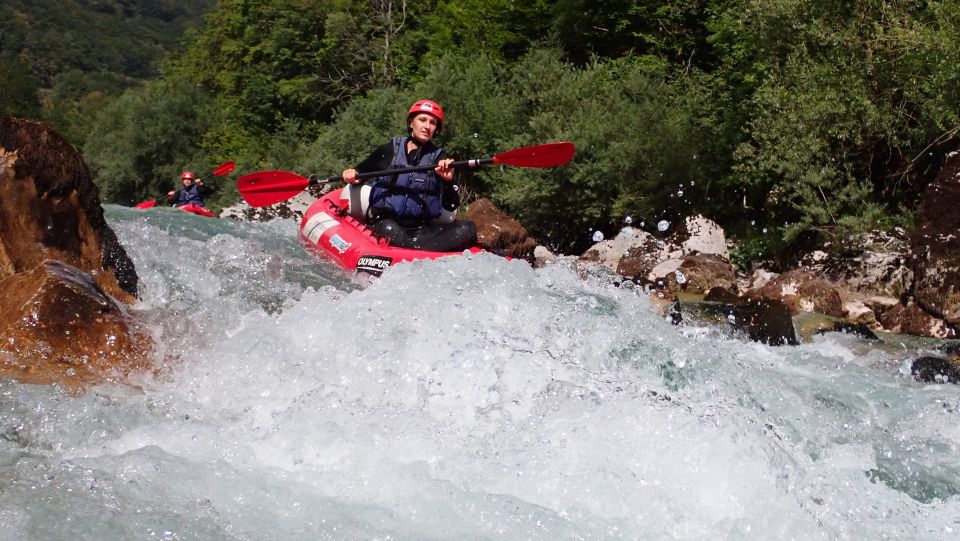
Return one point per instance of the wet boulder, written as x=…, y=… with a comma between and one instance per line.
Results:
x=50, y=209
x=936, y=245
x=57, y=326
x=64, y=277
x=694, y=243
x=498, y=232
x=909, y=318
x=801, y=292
x=935, y=370
x=700, y=273
x=613, y=252
x=767, y=321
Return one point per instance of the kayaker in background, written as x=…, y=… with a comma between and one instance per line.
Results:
x=411, y=210
x=192, y=193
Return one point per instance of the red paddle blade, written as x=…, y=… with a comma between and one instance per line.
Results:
x=225, y=168
x=265, y=188
x=146, y=204
x=546, y=155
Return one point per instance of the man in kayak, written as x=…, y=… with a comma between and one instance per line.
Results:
x=412, y=210
x=192, y=193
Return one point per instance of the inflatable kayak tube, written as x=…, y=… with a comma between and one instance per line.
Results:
x=196, y=209
x=193, y=209
x=327, y=229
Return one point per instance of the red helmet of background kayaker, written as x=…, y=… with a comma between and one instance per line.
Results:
x=427, y=106
x=187, y=175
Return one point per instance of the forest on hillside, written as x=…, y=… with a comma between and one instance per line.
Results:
x=786, y=121
x=61, y=61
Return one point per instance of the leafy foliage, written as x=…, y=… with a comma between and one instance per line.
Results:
x=19, y=92
x=140, y=143
x=781, y=119
x=82, y=53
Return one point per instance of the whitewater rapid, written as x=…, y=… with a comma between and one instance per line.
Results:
x=465, y=398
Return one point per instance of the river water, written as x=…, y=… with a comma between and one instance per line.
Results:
x=466, y=398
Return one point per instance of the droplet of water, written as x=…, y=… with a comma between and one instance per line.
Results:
x=681, y=279
x=71, y=372
x=628, y=220
x=597, y=236
x=731, y=319
x=679, y=193
x=663, y=225
x=476, y=135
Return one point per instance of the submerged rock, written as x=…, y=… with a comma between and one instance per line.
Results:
x=58, y=326
x=935, y=370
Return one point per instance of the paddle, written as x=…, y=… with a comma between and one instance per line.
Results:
x=225, y=169
x=265, y=188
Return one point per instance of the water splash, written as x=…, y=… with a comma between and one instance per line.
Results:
x=470, y=397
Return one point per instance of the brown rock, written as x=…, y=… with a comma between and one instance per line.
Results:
x=640, y=260
x=936, y=245
x=705, y=271
x=50, y=209
x=875, y=263
x=498, y=232
x=802, y=292
x=767, y=321
x=58, y=326
x=667, y=305
x=721, y=294
x=63, y=274
x=911, y=319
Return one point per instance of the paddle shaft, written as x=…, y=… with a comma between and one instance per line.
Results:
x=414, y=169
x=269, y=187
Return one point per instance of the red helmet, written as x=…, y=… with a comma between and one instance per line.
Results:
x=186, y=175
x=426, y=106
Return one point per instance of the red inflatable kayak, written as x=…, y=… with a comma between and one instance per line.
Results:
x=196, y=209
x=193, y=209
x=327, y=229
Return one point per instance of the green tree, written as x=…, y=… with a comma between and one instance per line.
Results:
x=669, y=31
x=139, y=144
x=846, y=107
x=641, y=142
x=497, y=28
x=19, y=91
x=273, y=61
